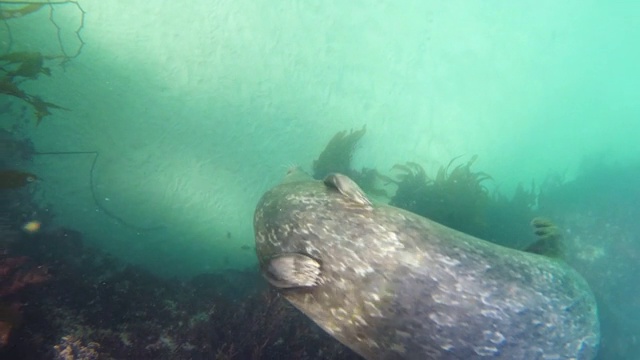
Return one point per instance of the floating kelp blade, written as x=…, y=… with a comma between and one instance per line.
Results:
x=6, y=14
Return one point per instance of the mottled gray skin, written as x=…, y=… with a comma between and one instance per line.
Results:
x=394, y=285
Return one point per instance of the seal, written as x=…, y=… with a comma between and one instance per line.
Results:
x=390, y=284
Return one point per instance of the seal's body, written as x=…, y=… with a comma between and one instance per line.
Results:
x=390, y=284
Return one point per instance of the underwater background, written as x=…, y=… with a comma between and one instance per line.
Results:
x=151, y=130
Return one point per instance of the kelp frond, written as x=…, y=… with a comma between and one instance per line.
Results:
x=19, y=66
x=455, y=197
x=337, y=155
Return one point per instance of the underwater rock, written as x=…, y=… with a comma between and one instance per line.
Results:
x=71, y=348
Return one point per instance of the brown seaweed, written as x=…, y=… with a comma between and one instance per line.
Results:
x=21, y=11
x=337, y=155
x=26, y=65
x=454, y=197
x=41, y=108
x=29, y=64
x=13, y=179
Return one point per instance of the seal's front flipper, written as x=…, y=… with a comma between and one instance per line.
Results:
x=292, y=270
x=347, y=187
x=549, y=237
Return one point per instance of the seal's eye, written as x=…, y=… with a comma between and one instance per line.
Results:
x=30, y=178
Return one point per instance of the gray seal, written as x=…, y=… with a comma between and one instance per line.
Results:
x=390, y=284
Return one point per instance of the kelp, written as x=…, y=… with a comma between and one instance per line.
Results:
x=336, y=158
x=454, y=197
x=458, y=198
x=21, y=11
x=462, y=174
x=12, y=11
x=14, y=179
x=508, y=218
x=28, y=64
x=413, y=188
x=369, y=180
x=337, y=155
x=17, y=67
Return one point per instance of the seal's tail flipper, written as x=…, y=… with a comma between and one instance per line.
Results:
x=549, y=238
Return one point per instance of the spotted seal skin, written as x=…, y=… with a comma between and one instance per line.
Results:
x=390, y=284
